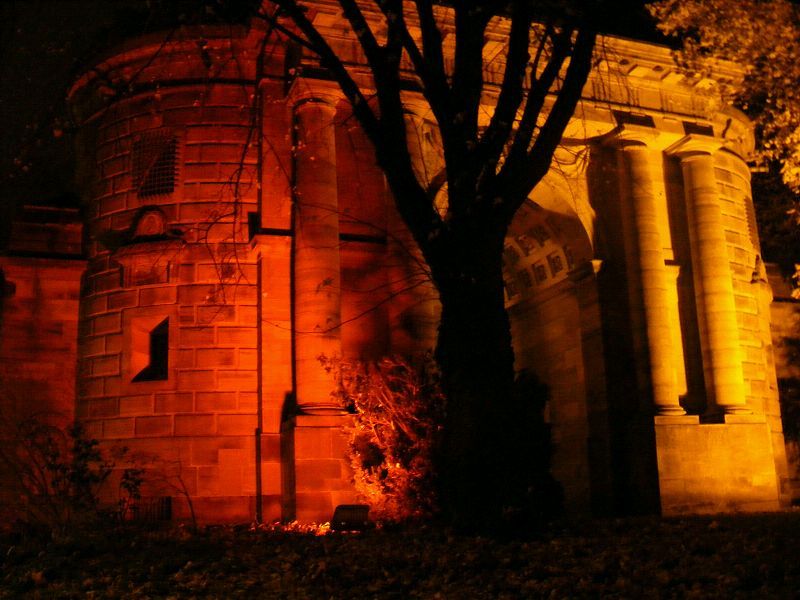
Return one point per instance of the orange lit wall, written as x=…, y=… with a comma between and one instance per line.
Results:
x=40, y=276
x=240, y=219
x=198, y=254
x=193, y=430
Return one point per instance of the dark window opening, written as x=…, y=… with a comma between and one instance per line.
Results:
x=540, y=233
x=539, y=272
x=158, y=367
x=556, y=265
x=511, y=288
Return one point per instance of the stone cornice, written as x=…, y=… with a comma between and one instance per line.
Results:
x=694, y=143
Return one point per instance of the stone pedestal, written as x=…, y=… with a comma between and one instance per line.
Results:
x=317, y=472
x=715, y=467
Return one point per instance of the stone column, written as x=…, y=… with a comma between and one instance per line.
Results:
x=713, y=282
x=637, y=186
x=317, y=275
x=315, y=471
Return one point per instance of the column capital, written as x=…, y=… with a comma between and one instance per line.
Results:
x=694, y=143
x=318, y=91
x=629, y=135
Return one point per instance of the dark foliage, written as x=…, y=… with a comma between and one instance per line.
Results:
x=780, y=235
x=713, y=557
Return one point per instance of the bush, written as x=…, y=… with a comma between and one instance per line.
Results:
x=398, y=411
x=56, y=475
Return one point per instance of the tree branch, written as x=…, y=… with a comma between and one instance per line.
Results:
x=517, y=159
x=460, y=130
x=369, y=121
x=286, y=31
x=434, y=85
x=540, y=87
x=430, y=66
x=468, y=69
x=511, y=91
x=538, y=159
x=431, y=39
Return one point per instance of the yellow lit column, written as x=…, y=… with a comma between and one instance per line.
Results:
x=713, y=281
x=317, y=274
x=634, y=157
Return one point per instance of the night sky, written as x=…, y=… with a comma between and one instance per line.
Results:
x=41, y=44
x=44, y=45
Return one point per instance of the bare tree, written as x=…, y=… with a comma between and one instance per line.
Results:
x=491, y=166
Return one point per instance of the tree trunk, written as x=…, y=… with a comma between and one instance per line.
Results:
x=482, y=440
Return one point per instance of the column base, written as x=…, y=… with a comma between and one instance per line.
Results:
x=316, y=471
x=736, y=410
x=670, y=411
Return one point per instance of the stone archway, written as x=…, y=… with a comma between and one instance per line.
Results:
x=552, y=301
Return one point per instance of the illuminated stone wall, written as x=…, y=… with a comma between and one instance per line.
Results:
x=237, y=229
x=785, y=326
x=40, y=276
x=171, y=180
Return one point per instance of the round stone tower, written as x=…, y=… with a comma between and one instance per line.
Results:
x=168, y=325
x=237, y=230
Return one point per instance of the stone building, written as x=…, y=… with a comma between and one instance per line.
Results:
x=236, y=227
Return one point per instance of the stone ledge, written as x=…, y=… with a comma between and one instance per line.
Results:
x=676, y=420
x=737, y=419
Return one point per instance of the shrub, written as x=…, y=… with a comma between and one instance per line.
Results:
x=56, y=475
x=398, y=411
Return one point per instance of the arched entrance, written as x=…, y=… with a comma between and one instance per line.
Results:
x=552, y=301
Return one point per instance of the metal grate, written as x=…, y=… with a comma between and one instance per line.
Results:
x=151, y=510
x=155, y=163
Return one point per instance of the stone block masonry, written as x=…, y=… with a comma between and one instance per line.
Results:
x=238, y=227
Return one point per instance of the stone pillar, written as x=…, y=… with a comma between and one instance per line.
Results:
x=315, y=471
x=637, y=186
x=317, y=275
x=713, y=282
